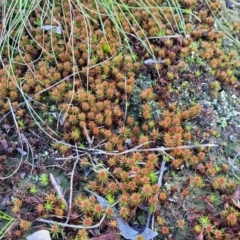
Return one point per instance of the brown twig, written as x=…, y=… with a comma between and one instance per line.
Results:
x=138, y=149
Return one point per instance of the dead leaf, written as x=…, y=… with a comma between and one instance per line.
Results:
x=179, y=39
x=4, y=143
x=149, y=234
x=210, y=207
x=236, y=203
x=108, y=236
x=186, y=183
x=56, y=29
x=6, y=127
x=193, y=216
x=226, y=205
x=124, y=229
x=200, y=236
x=95, y=232
x=236, y=195
x=23, y=153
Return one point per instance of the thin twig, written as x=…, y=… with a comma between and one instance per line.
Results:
x=126, y=100
x=29, y=148
x=90, y=141
x=71, y=225
x=57, y=188
x=57, y=83
x=163, y=168
x=65, y=158
x=160, y=177
x=71, y=188
x=157, y=149
x=233, y=166
x=15, y=108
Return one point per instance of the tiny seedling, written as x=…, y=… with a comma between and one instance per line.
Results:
x=44, y=179
x=21, y=123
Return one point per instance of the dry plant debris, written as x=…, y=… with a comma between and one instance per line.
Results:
x=115, y=116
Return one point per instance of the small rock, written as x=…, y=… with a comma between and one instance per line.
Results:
x=40, y=235
x=22, y=175
x=229, y=4
x=4, y=202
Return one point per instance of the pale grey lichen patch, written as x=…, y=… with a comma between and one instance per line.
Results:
x=221, y=114
x=135, y=101
x=155, y=110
